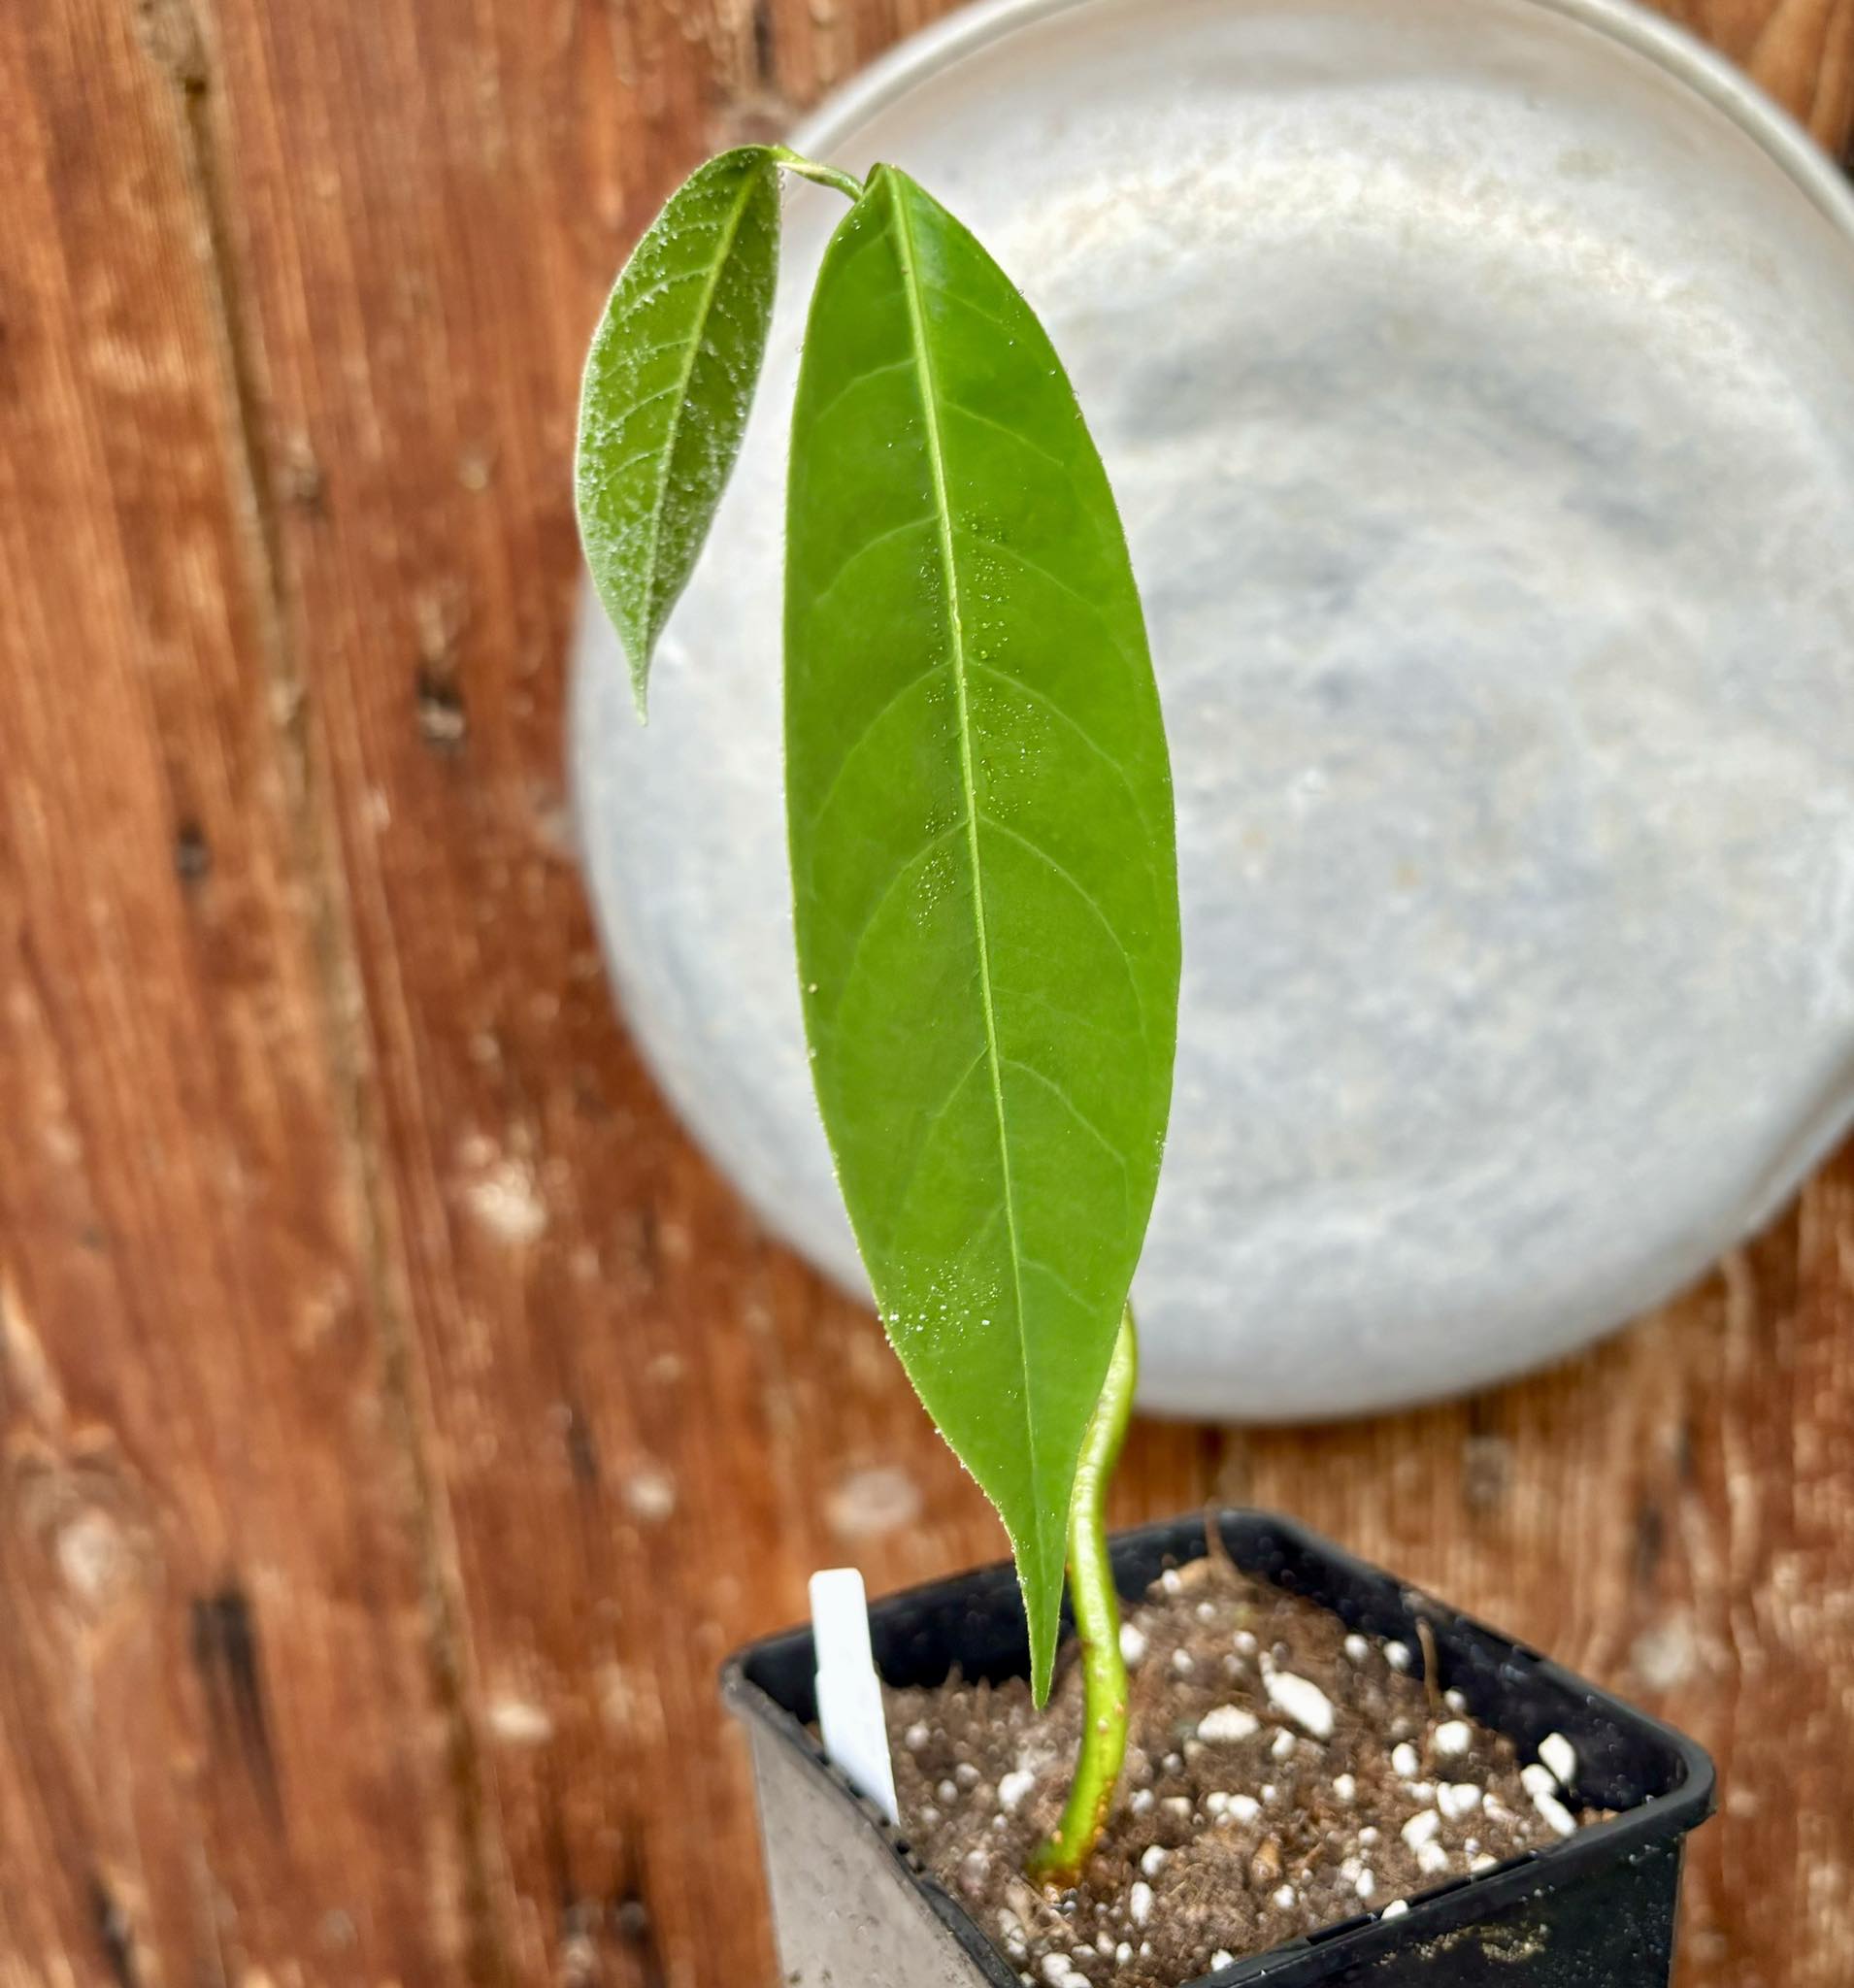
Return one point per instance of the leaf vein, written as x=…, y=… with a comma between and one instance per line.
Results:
x=1073, y=1111
x=729, y=233
x=861, y=739
x=868, y=545
x=905, y=1183
x=903, y=872
x=1075, y=724
x=964, y=302
x=1055, y=580
x=856, y=379
x=936, y=462
x=1058, y=1278
x=1063, y=469
x=627, y=415
x=1081, y=891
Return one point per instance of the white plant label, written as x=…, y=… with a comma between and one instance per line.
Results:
x=849, y=1695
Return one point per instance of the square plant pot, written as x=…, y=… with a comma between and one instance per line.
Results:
x=853, y=1908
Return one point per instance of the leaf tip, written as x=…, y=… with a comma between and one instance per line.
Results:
x=1043, y=1665
x=639, y=653
x=1040, y=1580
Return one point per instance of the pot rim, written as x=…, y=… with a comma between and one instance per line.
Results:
x=1687, y=1801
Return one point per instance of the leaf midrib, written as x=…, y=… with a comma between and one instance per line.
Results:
x=930, y=409
x=711, y=283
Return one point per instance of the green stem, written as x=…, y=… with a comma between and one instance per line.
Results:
x=846, y=184
x=1060, y=1859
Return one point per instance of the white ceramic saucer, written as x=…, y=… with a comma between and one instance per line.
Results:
x=1478, y=380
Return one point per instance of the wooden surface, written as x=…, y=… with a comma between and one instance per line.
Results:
x=398, y=1420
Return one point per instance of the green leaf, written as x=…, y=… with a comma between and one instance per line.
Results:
x=981, y=817
x=667, y=383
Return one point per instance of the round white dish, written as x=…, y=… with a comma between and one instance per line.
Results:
x=1476, y=377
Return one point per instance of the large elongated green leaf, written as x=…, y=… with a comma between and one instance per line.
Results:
x=981, y=818
x=667, y=383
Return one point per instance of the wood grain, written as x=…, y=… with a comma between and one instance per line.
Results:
x=208, y=1527
x=400, y=1418
x=1801, y=51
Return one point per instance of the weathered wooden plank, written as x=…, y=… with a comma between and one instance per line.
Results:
x=1801, y=51
x=221, y=1744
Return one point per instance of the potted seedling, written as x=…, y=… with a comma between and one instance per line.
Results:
x=1280, y=1762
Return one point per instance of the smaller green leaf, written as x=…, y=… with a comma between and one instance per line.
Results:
x=668, y=385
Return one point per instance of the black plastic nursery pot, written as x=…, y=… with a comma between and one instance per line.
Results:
x=853, y=1908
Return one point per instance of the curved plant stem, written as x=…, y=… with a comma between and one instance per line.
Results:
x=1059, y=1860
x=846, y=184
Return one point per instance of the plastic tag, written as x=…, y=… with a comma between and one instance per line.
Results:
x=849, y=1695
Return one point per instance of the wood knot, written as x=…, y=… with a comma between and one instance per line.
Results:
x=170, y=31
x=83, y=1521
